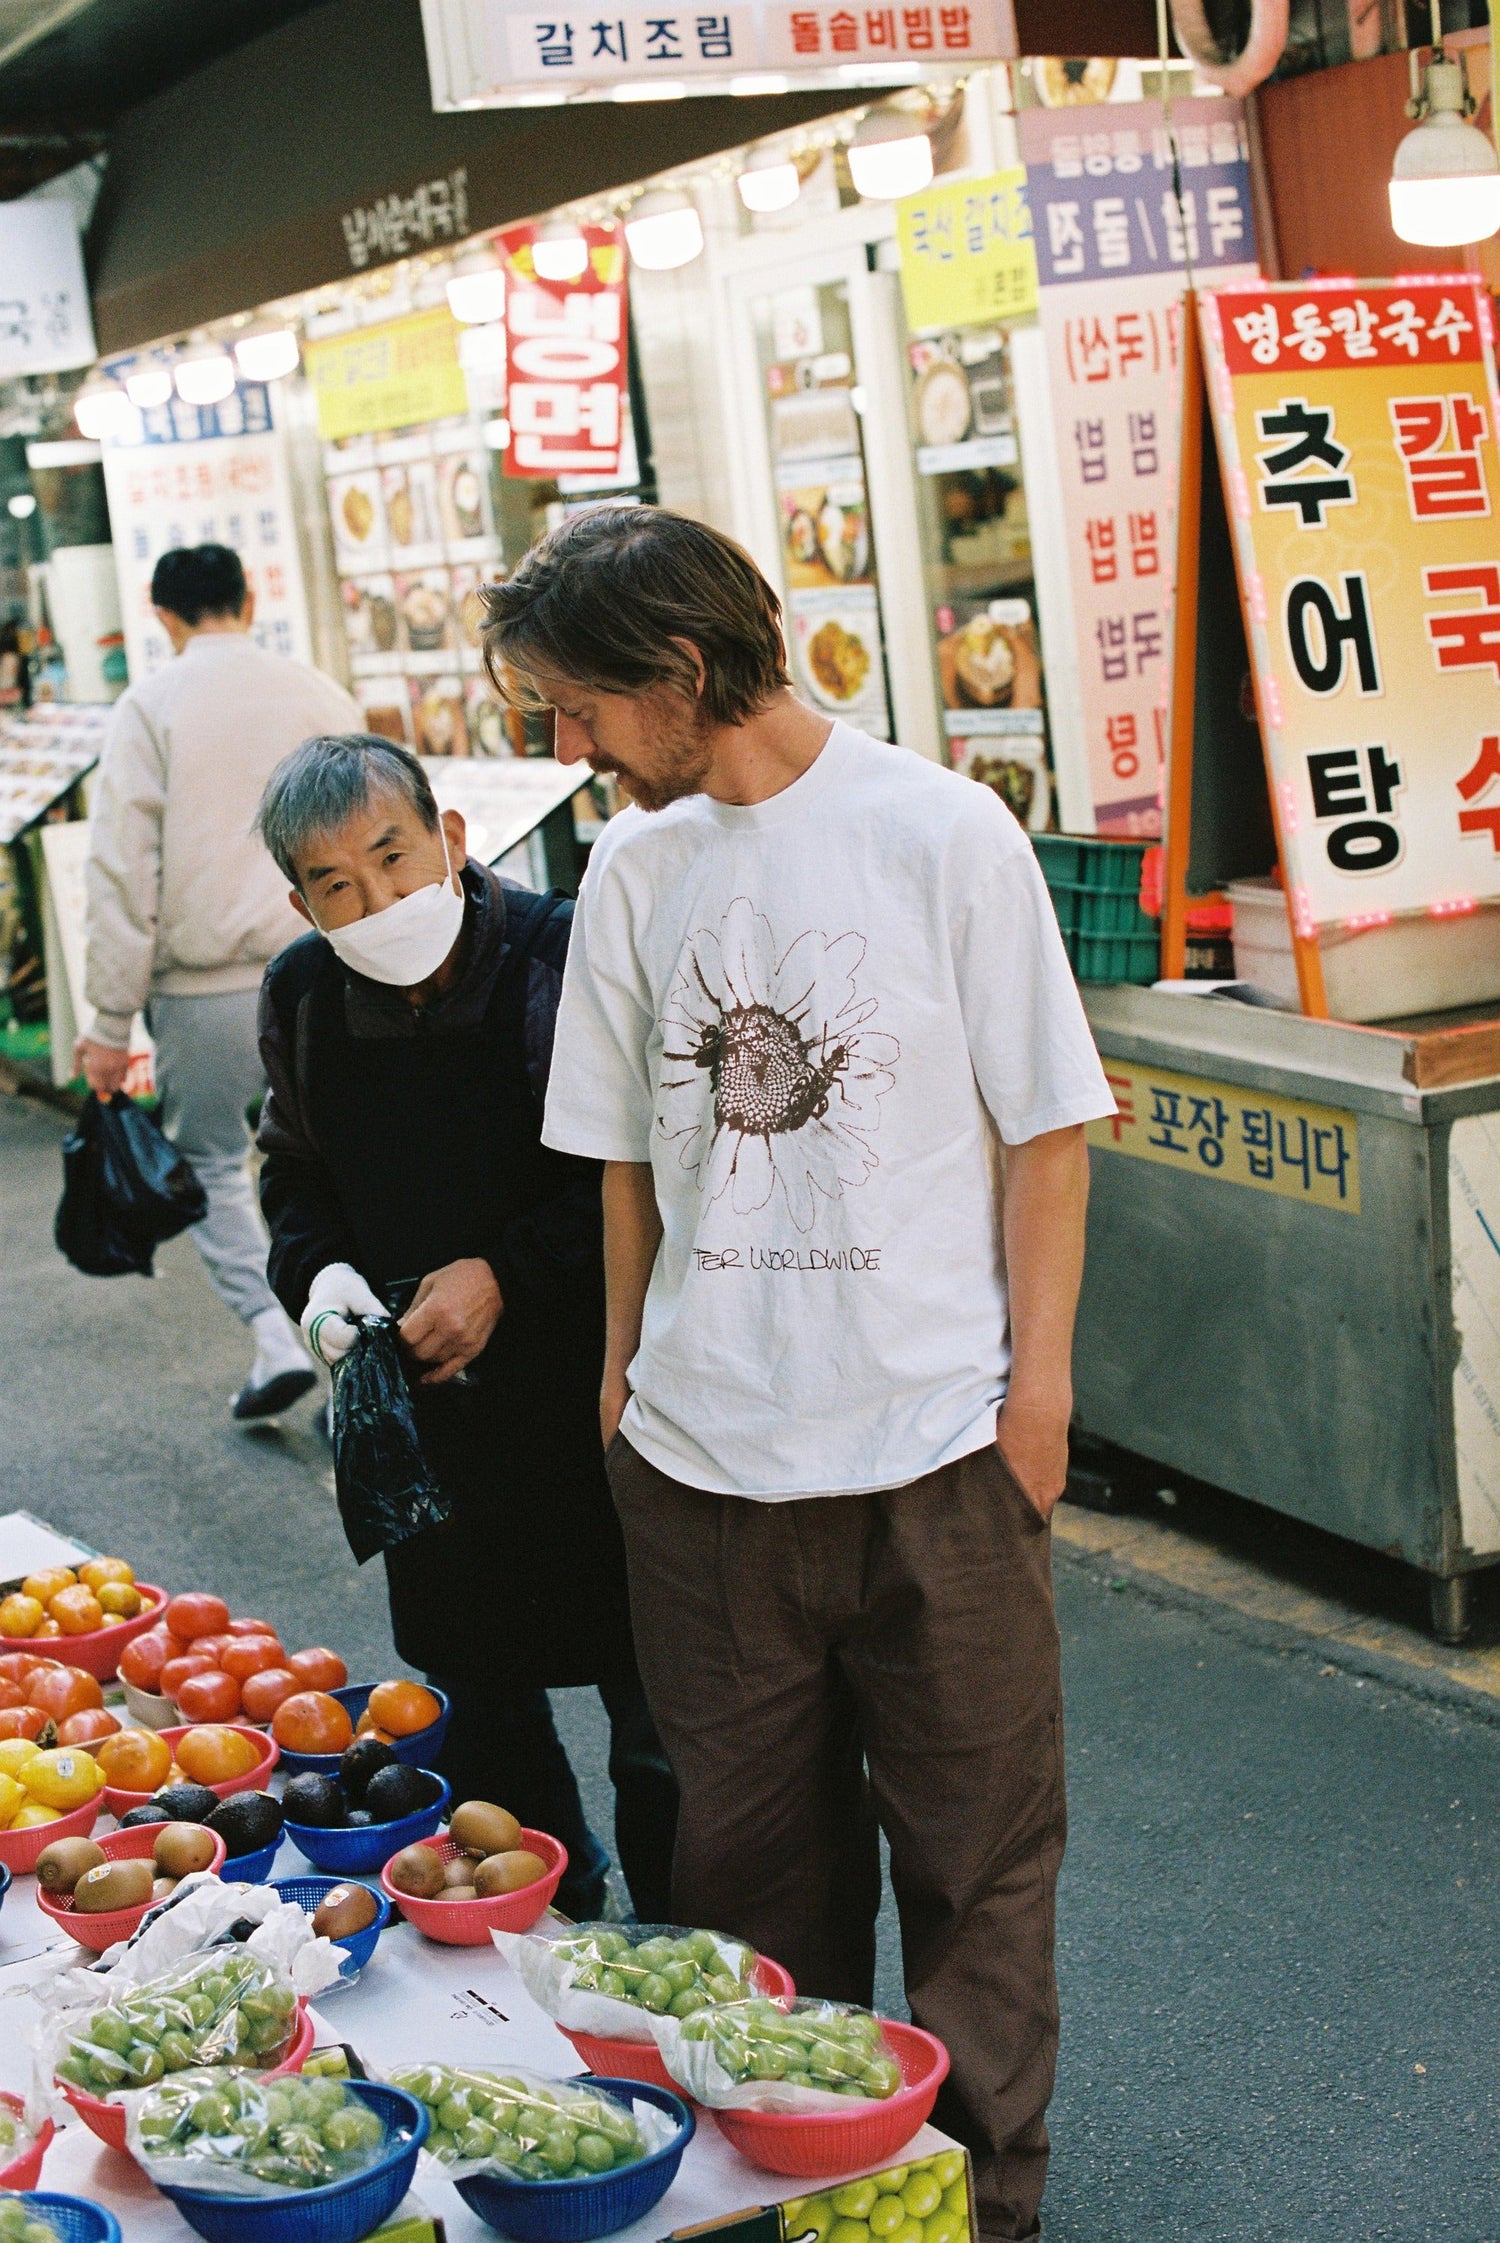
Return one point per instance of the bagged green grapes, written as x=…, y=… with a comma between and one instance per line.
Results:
x=16, y=2137
x=243, y=2136
x=225, y=2007
x=19, y=2223
x=758, y=2056
x=612, y=1979
x=527, y=2127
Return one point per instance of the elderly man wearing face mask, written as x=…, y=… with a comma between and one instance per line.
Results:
x=407, y=1041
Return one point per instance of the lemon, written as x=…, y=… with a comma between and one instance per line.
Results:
x=66, y=1777
x=14, y=1754
x=12, y=1797
x=32, y=1816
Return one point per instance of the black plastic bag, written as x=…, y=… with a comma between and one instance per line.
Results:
x=125, y=1190
x=385, y=1492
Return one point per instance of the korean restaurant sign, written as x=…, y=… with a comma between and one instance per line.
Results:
x=1114, y=248
x=45, y=322
x=967, y=256
x=567, y=359
x=1233, y=1135
x=491, y=53
x=1356, y=423
x=391, y=376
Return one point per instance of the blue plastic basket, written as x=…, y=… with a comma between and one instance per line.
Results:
x=340, y=2213
x=4, y=1883
x=358, y=1853
x=251, y=1869
x=75, y=2219
x=311, y=1892
x=417, y=1750
x=574, y=2211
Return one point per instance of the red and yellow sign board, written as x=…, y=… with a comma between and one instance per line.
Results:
x=567, y=354
x=1357, y=430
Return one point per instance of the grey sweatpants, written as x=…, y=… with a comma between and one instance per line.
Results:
x=208, y=1070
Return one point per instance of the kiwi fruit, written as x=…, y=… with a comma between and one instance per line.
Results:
x=459, y=1871
x=113, y=1884
x=507, y=1872
x=345, y=1910
x=460, y=1892
x=182, y=1847
x=483, y=1829
x=162, y=1888
x=417, y=1870
x=59, y=1868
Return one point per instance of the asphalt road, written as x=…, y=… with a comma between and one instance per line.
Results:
x=1279, y=1928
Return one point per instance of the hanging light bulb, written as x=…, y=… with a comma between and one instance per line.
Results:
x=770, y=181
x=104, y=413
x=889, y=156
x=560, y=251
x=664, y=231
x=21, y=504
x=266, y=354
x=476, y=289
x=149, y=386
x=205, y=375
x=1445, y=182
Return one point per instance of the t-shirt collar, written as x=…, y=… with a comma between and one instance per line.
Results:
x=791, y=802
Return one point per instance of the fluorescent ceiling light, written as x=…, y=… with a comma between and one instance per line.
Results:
x=149, y=386
x=770, y=181
x=476, y=290
x=267, y=355
x=889, y=156
x=497, y=434
x=104, y=413
x=203, y=377
x=560, y=251
x=655, y=89
x=664, y=231
x=755, y=82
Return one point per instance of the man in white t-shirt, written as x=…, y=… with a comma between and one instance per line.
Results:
x=818, y=1023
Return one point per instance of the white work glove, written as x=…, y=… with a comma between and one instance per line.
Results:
x=336, y=1297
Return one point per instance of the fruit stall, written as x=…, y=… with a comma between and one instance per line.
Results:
x=266, y=1979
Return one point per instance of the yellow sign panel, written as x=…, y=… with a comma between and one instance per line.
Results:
x=967, y=255
x=388, y=377
x=1240, y=1136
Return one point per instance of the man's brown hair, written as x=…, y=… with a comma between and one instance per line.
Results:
x=609, y=598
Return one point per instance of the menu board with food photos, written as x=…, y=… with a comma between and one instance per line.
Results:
x=414, y=540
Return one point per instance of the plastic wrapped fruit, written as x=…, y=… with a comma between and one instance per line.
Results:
x=20, y=2222
x=227, y=2130
x=226, y=2007
x=532, y=2128
x=667, y=1972
x=758, y=2055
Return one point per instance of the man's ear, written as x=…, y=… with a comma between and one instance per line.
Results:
x=247, y=612
x=700, y=667
x=294, y=898
x=456, y=833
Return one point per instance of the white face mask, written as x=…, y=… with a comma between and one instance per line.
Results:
x=408, y=941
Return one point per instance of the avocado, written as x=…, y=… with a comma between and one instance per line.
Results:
x=364, y=1758
x=397, y=1791
x=151, y=1812
x=359, y=1818
x=186, y=1802
x=314, y=1801
x=247, y=1822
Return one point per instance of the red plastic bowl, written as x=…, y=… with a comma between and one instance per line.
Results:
x=26, y=2170
x=642, y=2059
x=468, y=1923
x=107, y=2120
x=102, y=1930
x=98, y=1652
x=120, y=1802
x=20, y=1850
x=816, y=2145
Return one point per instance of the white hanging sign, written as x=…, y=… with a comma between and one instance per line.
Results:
x=45, y=323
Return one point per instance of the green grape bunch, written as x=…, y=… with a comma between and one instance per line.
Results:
x=534, y=2132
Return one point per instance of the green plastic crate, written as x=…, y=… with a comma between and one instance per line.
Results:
x=1095, y=890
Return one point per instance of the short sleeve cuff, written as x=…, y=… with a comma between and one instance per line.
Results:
x=1091, y=1106
x=597, y=1143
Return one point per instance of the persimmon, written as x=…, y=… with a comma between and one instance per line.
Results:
x=213, y=1754
x=244, y=1656
x=87, y=1728
x=181, y=1669
x=23, y=1721
x=367, y=1726
x=145, y=1655
x=262, y=1693
x=135, y=1760
x=62, y=1691
x=403, y=1708
x=311, y=1721
x=319, y=1669
x=195, y=1614
x=251, y=1628
x=12, y=1693
x=15, y=1666
x=210, y=1696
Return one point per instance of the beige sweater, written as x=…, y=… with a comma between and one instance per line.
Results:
x=183, y=898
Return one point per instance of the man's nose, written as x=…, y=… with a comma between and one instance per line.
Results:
x=570, y=743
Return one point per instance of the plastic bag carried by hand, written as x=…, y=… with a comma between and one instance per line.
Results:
x=125, y=1190
x=385, y=1492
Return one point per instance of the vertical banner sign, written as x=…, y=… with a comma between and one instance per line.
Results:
x=567, y=359
x=1114, y=250
x=207, y=475
x=1357, y=427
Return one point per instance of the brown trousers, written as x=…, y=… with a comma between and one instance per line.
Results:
x=788, y=1647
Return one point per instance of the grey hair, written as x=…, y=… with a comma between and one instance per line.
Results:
x=320, y=786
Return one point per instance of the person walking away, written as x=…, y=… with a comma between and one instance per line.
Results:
x=819, y=1025
x=184, y=909
x=407, y=1042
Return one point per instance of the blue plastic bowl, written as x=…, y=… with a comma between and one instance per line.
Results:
x=4, y=1883
x=340, y=2213
x=311, y=1892
x=251, y=1869
x=574, y=2211
x=416, y=1750
x=359, y=1853
x=75, y=2219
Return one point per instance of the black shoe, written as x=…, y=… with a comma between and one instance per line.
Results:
x=275, y=1395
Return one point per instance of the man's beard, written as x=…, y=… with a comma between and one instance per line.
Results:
x=685, y=759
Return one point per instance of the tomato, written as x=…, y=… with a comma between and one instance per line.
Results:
x=23, y=1721
x=87, y=1728
x=319, y=1670
x=243, y=1656
x=251, y=1628
x=196, y=1615
x=77, y=1611
x=143, y=1658
x=182, y=1669
x=210, y=1696
x=311, y=1721
x=402, y=1708
x=61, y=1691
x=216, y=1755
x=135, y=1760
x=261, y=1694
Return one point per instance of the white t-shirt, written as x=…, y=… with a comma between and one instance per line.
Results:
x=811, y=1015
